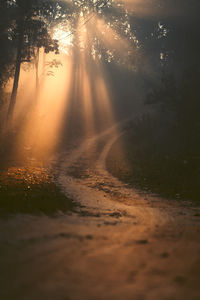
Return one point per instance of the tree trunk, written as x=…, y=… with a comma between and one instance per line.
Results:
x=17, y=71
x=37, y=86
x=44, y=64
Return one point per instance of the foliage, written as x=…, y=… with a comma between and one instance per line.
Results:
x=37, y=18
x=30, y=190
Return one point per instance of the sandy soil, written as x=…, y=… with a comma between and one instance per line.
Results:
x=120, y=243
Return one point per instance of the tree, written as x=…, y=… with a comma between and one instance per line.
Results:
x=31, y=32
x=7, y=49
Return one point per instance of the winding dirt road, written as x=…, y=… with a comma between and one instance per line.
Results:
x=119, y=243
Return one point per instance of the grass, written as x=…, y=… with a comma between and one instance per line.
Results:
x=30, y=190
x=157, y=161
x=25, y=186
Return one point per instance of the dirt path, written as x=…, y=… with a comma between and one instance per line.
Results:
x=119, y=244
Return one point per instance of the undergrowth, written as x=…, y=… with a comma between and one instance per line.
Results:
x=158, y=159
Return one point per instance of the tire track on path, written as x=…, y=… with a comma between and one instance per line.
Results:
x=120, y=243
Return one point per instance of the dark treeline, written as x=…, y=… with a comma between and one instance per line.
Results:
x=165, y=70
x=165, y=148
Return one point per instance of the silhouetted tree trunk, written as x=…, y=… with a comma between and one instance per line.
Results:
x=37, y=85
x=17, y=70
x=44, y=63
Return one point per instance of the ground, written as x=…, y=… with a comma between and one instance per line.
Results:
x=119, y=243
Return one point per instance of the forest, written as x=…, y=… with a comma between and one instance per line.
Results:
x=100, y=149
x=164, y=69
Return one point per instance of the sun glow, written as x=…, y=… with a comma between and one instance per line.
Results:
x=78, y=96
x=41, y=128
x=64, y=38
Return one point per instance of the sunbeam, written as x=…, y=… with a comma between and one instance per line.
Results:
x=64, y=37
x=72, y=93
x=42, y=124
x=99, y=149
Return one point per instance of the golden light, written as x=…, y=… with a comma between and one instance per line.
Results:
x=80, y=89
x=41, y=128
x=64, y=38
